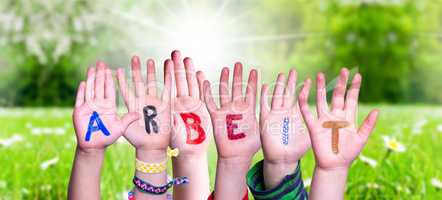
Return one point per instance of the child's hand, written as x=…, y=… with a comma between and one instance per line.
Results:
x=191, y=119
x=191, y=128
x=234, y=123
x=152, y=130
x=235, y=130
x=96, y=122
x=351, y=140
x=283, y=136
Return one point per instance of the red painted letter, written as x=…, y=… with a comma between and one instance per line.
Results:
x=231, y=126
x=193, y=121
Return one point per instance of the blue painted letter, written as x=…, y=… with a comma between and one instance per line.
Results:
x=285, y=131
x=93, y=128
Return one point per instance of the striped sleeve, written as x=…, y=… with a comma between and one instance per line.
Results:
x=290, y=188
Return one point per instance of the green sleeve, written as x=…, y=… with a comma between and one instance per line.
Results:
x=290, y=188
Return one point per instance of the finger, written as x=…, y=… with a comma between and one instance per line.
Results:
x=351, y=102
x=369, y=123
x=168, y=66
x=124, y=88
x=180, y=74
x=90, y=84
x=137, y=78
x=191, y=78
x=303, y=104
x=278, y=92
x=200, y=77
x=99, y=80
x=79, y=100
x=224, y=96
x=208, y=98
x=251, y=88
x=339, y=91
x=265, y=108
x=128, y=119
x=109, y=86
x=151, y=79
x=321, y=95
x=237, y=82
x=289, y=91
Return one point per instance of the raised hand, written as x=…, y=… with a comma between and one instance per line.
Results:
x=152, y=130
x=351, y=139
x=234, y=123
x=150, y=134
x=334, y=152
x=283, y=136
x=97, y=125
x=235, y=129
x=191, y=130
x=191, y=119
x=95, y=117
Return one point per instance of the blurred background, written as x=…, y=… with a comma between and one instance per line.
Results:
x=46, y=46
x=396, y=44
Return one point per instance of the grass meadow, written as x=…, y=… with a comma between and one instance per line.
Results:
x=37, y=148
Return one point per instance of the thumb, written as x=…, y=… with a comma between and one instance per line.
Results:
x=129, y=118
x=368, y=124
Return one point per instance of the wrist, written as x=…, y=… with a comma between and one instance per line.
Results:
x=190, y=157
x=90, y=152
x=332, y=170
x=274, y=172
x=329, y=183
x=151, y=155
x=281, y=165
x=238, y=161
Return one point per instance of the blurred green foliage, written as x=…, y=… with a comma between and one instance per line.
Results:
x=44, y=44
x=395, y=44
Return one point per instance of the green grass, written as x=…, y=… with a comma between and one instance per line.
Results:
x=401, y=176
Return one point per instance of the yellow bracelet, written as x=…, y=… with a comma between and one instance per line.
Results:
x=153, y=168
x=150, y=168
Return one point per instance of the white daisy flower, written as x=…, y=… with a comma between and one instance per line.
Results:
x=416, y=130
x=46, y=187
x=36, y=131
x=2, y=184
x=420, y=123
x=25, y=191
x=436, y=183
x=46, y=164
x=439, y=128
x=393, y=145
x=59, y=131
x=67, y=145
x=9, y=141
x=369, y=161
x=373, y=185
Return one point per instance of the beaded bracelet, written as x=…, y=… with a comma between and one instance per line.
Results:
x=150, y=168
x=153, y=168
x=157, y=190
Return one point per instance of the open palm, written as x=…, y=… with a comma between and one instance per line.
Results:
x=152, y=131
x=234, y=123
x=95, y=117
x=191, y=120
x=351, y=139
x=283, y=136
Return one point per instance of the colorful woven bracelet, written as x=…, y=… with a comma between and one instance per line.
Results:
x=148, y=188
